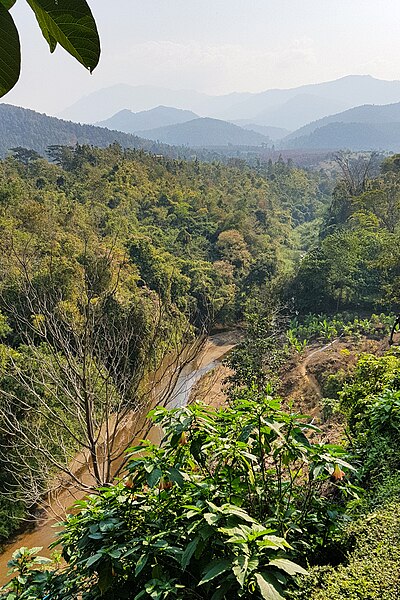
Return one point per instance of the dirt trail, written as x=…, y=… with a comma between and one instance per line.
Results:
x=309, y=380
x=46, y=528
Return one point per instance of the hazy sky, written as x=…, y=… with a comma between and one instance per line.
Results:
x=214, y=46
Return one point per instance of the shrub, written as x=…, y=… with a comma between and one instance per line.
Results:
x=225, y=508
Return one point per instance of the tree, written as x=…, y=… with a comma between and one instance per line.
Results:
x=69, y=23
x=76, y=391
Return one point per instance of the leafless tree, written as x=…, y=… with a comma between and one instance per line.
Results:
x=79, y=393
x=356, y=170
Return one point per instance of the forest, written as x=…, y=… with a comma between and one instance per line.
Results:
x=116, y=266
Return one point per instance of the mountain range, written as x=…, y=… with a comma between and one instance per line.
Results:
x=181, y=132
x=367, y=127
x=161, y=116
x=36, y=131
x=286, y=108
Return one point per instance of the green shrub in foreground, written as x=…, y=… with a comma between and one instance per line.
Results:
x=226, y=508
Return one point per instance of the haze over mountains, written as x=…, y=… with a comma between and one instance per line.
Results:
x=305, y=118
x=161, y=116
x=289, y=108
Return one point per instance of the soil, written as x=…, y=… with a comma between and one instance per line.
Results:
x=302, y=387
x=45, y=530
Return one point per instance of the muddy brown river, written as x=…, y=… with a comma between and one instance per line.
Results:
x=45, y=531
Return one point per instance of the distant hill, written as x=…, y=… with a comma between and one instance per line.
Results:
x=205, y=133
x=161, y=116
x=273, y=133
x=27, y=128
x=99, y=105
x=300, y=109
x=368, y=113
x=351, y=136
x=345, y=93
x=288, y=108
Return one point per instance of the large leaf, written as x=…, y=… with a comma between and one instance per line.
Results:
x=8, y=3
x=288, y=566
x=10, y=51
x=215, y=569
x=71, y=24
x=268, y=586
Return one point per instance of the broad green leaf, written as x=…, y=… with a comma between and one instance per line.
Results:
x=71, y=24
x=267, y=587
x=141, y=563
x=10, y=52
x=215, y=569
x=288, y=566
x=93, y=559
x=154, y=477
x=8, y=3
x=189, y=551
x=240, y=568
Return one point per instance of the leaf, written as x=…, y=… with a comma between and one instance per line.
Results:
x=141, y=563
x=154, y=477
x=105, y=579
x=215, y=569
x=7, y=3
x=71, y=24
x=240, y=569
x=288, y=566
x=176, y=476
x=268, y=586
x=10, y=52
x=93, y=559
x=189, y=551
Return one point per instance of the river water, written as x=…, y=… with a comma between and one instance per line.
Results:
x=46, y=529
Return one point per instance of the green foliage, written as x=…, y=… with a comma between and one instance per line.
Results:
x=372, y=567
x=220, y=509
x=10, y=51
x=69, y=23
x=30, y=578
x=325, y=328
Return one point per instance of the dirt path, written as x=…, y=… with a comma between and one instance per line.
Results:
x=46, y=529
x=309, y=380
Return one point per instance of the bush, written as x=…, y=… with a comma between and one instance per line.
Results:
x=224, y=509
x=373, y=565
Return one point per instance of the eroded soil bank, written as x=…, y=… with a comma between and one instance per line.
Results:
x=45, y=531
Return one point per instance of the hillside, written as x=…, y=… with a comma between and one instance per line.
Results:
x=274, y=133
x=350, y=136
x=298, y=110
x=206, y=133
x=367, y=113
x=36, y=131
x=161, y=116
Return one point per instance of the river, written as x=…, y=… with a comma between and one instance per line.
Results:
x=45, y=531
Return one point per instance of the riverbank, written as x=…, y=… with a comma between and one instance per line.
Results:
x=45, y=532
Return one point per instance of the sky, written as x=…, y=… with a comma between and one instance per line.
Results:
x=213, y=46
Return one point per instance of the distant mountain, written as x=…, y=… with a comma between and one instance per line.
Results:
x=273, y=133
x=368, y=113
x=161, y=116
x=99, y=105
x=205, y=133
x=346, y=92
x=27, y=128
x=299, y=110
x=350, y=136
x=287, y=108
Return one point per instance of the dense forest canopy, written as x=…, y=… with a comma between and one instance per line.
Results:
x=113, y=263
x=105, y=240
